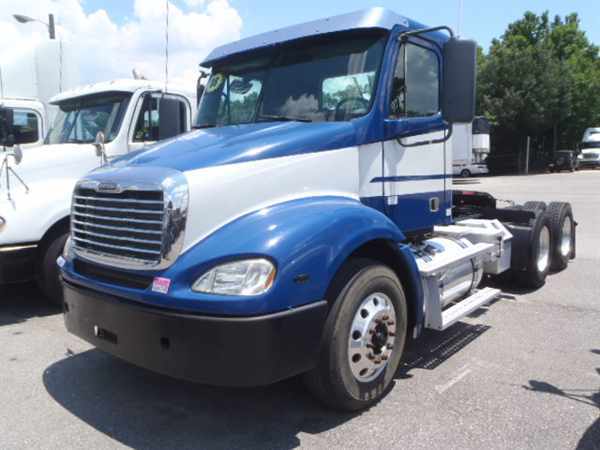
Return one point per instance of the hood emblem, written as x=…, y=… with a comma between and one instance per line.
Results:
x=108, y=187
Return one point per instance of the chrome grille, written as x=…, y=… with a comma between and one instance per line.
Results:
x=127, y=224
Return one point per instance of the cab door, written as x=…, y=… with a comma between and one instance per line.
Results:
x=158, y=116
x=417, y=165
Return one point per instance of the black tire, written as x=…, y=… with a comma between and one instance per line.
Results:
x=465, y=173
x=332, y=381
x=558, y=213
x=532, y=276
x=535, y=205
x=48, y=275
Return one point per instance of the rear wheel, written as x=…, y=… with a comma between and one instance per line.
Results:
x=562, y=225
x=538, y=244
x=465, y=173
x=48, y=278
x=535, y=205
x=363, y=339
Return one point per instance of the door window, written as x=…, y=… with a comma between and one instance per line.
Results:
x=25, y=127
x=147, y=128
x=416, y=84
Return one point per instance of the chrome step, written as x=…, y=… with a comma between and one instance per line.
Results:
x=461, y=309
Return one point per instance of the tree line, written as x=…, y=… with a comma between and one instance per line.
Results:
x=540, y=79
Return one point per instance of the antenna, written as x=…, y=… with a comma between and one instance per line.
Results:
x=460, y=14
x=166, y=44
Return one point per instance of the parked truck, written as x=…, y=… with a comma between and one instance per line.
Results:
x=471, y=147
x=94, y=124
x=26, y=118
x=589, y=155
x=307, y=226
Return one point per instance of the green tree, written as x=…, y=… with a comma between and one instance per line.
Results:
x=540, y=79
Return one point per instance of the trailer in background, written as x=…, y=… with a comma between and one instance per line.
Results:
x=471, y=147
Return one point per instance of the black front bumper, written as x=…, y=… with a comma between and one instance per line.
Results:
x=223, y=351
x=17, y=263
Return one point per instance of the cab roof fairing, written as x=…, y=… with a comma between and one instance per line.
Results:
x=372, y=18
x=120, y=85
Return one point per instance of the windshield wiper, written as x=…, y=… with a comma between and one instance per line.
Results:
x=276, y=117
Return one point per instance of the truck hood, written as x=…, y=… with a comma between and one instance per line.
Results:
x=241, y=143
x=46, y=161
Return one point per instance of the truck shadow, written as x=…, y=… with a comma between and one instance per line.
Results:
x=591, y=438
x=141, y=409
x=21, y=302
x=434, y=347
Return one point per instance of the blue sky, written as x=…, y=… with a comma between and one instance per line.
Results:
x=482, y=20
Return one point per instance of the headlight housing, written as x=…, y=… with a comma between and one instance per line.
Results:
x=67, y=248
x=246, y=277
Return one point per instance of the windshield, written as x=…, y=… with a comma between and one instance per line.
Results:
x=79, y=120
x=331, y=78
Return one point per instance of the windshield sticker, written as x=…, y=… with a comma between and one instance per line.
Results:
x=215, y=82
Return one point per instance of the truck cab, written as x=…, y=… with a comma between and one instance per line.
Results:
x=308, y=224
x=93, y=125
x=28, y=120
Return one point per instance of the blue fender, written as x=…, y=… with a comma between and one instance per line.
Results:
x=308, y=238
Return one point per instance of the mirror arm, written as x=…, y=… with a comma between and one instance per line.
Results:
x=404, y=36
x=446, y=137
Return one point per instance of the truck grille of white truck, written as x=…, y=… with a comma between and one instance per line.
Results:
x=126, y=224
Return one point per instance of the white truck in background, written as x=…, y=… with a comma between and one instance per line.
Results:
x=93, y=124
x=29, y=78
x=471, y=147
x=29, y=120
x=589, y=156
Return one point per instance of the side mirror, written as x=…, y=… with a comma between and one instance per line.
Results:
x=460, y=73
x=170, y=117
x=17, y=154
x=99, y=145
x=6, y=127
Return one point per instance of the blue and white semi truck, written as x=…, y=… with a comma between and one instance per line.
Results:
x=307, y=226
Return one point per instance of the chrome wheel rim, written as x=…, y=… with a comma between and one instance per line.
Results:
x=371, y=339
x=566, y=237
x=543, y=249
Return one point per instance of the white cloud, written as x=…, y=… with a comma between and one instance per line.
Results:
x=98, y=48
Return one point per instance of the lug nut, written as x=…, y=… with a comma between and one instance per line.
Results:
x=384, y=357
x=391, y=322
x=385, y=318
x=371, y=356
x=391, y=333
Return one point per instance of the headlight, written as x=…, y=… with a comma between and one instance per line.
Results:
x=245, y=277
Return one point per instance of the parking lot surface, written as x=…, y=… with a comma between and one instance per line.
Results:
x=523, y=373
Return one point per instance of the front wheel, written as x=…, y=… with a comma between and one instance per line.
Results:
x=48, y=279
x=465, y=173
x=363, y=339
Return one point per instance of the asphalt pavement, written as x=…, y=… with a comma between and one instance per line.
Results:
x=523, y=373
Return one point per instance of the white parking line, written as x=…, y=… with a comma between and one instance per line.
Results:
x=441, y=388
